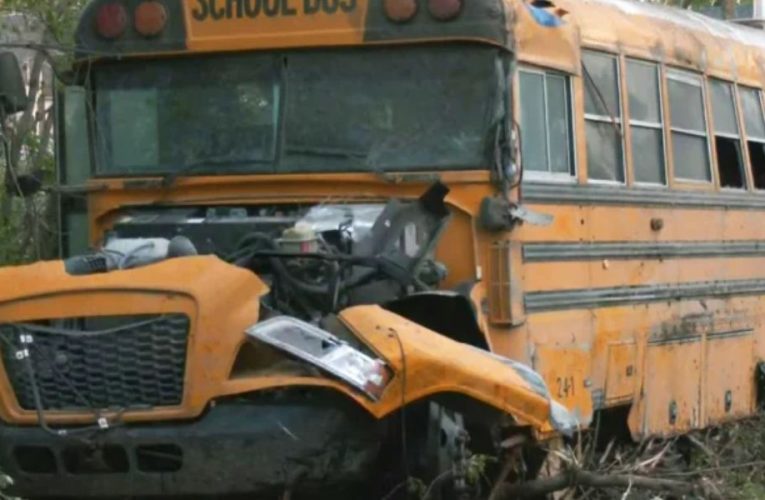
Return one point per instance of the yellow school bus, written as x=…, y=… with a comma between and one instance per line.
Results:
x=307, y=241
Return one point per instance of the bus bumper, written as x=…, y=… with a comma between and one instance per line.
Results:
x=234, y=448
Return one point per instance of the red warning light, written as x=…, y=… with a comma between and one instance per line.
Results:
x=111, y=20
x=150, y=18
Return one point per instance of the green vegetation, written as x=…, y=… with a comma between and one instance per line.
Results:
x=40, y=32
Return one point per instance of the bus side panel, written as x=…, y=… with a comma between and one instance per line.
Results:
x=670, y=401
x=729, y=387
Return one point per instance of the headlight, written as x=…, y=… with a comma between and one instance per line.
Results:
x=325, y=351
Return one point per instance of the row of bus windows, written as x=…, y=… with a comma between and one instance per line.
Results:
x=547, y=131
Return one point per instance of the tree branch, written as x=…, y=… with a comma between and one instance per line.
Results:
x=576, y=477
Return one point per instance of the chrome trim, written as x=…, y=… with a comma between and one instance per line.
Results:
x=577, y=194
x=589, y=298
x=551, y=252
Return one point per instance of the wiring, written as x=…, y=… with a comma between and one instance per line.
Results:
x=404, y=453
x=24, y=355
x=29, y=327
x=323, y=283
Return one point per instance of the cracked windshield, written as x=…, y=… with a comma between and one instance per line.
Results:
x=342, y=110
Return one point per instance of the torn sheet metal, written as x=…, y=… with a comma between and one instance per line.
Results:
x=561, y=419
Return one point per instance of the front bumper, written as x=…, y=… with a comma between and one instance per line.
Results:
x=234, y=448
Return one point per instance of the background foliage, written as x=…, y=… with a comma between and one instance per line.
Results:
x=28, y=225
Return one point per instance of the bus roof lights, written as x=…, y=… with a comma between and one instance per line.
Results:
x=150, y=18
x=400, y=10
x=444, y=10
x=111, y=20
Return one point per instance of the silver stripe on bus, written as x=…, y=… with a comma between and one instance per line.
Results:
x=615, y=296
x=575, y=194
x=551, y=252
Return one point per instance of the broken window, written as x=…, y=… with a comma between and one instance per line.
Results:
x=730, y=163
x=754, y=126
x=602, y=113
x=646, y=122
x=545, y=118
x=690, y=149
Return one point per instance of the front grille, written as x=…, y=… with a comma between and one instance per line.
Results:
x=114, y=362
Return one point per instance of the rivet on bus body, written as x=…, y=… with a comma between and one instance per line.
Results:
x=400, y=10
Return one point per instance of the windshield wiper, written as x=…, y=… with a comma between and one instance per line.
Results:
x=169, y=178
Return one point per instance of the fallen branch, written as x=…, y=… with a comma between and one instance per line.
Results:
x=720, y=468
x=576, y=477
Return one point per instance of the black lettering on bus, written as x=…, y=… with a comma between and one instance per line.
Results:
x=271, y=7
x=252, y=8
x=348, y=5
x=287, y=9
x=216, y=12
x=311, y=6
x=202, y=11
x=230, y=4
x=330, y=6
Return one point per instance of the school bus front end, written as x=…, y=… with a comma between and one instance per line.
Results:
x=166, y=379
x=273, y=279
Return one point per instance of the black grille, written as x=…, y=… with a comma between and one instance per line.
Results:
x=119, y=362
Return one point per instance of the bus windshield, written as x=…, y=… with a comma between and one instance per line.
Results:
x=387, y=109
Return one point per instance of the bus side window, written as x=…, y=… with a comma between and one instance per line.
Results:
x=754, y=127
x=547, y=147
x=690, y=149
x=646, y=122
x=730, y=162
x=603, y=117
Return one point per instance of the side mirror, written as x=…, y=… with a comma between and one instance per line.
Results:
x=13, y=94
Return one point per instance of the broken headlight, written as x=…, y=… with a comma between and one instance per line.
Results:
x=325, y=351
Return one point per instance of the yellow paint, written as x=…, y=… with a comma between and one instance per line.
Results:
x=567, y=373
x=294, y=23
x=622, y=373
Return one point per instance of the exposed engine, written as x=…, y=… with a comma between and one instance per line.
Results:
x=317, y=259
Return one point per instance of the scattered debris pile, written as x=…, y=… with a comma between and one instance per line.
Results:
x=726, y=462
x=719, y=463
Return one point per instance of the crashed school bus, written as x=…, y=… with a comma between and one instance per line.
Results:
x=331, y=238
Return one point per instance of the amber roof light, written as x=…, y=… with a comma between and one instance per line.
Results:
x=150, y=18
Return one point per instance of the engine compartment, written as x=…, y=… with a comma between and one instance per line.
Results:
x=316, y=258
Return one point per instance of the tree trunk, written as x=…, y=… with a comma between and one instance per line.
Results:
x=729, y=9
x=26, y=123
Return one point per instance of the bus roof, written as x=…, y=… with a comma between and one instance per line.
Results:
x=677, y=37
x=674, y=36
x=111, y=27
